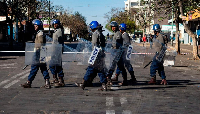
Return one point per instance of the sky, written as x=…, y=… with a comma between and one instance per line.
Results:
x=92, y=10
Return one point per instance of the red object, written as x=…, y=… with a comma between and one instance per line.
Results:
x=144, y=39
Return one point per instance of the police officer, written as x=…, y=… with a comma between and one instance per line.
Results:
x=98, y=40
x=39, y=40
x=126, y=43
x=157, y=65
x=57, y=39
x=117, y=43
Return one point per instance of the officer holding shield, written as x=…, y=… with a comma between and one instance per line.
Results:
x=98, y=67
x=157, y=64
x=117, y=52
x=57, y=39
x=126, y=43
x=39, y=40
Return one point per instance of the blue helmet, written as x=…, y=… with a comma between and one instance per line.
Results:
x=55, y=21
x=113, y=24
x=94, y=24
x=38, y=22
x=122, y=27
x=156, y=27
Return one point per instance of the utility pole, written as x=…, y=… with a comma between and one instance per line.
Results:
x=172, y=23
x=11, y=26
x=49, y=18
x=16, y=32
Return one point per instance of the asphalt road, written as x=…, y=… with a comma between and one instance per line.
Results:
x=180, y=96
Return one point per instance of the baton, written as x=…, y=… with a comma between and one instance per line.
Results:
x=25, y=67
x=148, y=64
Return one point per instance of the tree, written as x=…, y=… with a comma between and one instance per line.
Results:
x=76, y=22
x=120, y=16
x=189, y=5
x=164, y=9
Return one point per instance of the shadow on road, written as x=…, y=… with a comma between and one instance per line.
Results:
x=7, y=58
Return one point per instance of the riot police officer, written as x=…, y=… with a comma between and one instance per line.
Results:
x=157, y=64
x=98, y=40
x=126, y=43
x=57, y=39
x=117, y=46
x=39, y=40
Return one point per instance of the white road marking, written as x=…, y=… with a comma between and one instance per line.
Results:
x=126, y=112
x=3, y=82
x=21, y=73
x=114, y=88
x=110, y=111
x=26, y=75
x=123, y=100
x=13, y=77
x=7, y=67
x=8, y=64
x=10, y=84
x=15, y=81
x=109, y=101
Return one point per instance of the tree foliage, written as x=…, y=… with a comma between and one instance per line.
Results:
x=76, y=22
x=163, y=9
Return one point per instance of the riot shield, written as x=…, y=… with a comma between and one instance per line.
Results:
x=147, y=52
x=36, y=54
x=83, y=51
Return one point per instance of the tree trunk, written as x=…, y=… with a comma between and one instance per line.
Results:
x=190, y=33
x=177, y=46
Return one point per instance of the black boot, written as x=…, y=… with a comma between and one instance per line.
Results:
x=83, y=85
x=26, y=85
x=89, y=82
x=124, y=83
x=133, y=79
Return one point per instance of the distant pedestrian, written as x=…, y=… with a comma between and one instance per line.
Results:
x=151, y=41
x=144, y=39
x=198, y=39
x=166, y=40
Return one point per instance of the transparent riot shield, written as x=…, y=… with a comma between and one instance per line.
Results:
x=138, y=55
x=170, y=55
x=36, y=54
x=146, y=53
x=83, y=51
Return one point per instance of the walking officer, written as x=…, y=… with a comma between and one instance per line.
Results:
x=39, y=40
x=157, y=63
x=117, y=46
x=57, y=39
x=98, y=40
x=126, y=43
